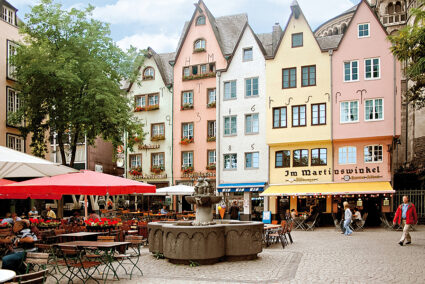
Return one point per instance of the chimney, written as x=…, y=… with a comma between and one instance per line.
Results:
x=276, y=34
x=295, y=7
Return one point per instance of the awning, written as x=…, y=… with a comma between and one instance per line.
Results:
x=241, y=187
x=329, y=189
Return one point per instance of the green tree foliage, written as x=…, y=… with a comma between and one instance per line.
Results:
x=69, y=73
x=409, y=47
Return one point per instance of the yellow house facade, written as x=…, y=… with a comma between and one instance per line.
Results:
x=298, y=90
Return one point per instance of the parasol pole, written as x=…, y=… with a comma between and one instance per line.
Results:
x=85, y=206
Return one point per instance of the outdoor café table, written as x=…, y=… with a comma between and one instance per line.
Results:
x=268, y=228
x=300, y=223
x=6, y=275
x=81, y=235
x=108, y=247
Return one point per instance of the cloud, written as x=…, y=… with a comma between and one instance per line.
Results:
x=159, y=42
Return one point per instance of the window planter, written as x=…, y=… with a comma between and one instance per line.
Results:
x=199, y=76
x=152, y=107
x=157, y=169
x=136, y=171
x=140, y=108
x=187, y=169
x=186, y=141
x=198, y=50
x=211, y=139
x=147, y=77
x=186, y=106
x=211, y=167
x=211, y=105
x=158, y=138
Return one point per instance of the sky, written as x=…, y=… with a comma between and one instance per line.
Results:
x=158, y=23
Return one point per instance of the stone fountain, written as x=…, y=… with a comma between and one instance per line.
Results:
x=205, y=240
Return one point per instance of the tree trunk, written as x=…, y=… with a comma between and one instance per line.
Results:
x=61, y=147
x=74, y=146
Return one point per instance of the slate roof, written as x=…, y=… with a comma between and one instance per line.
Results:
x=267, y=42
x=164, y=66
x=329, y=42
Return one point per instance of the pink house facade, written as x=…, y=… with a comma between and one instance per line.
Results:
x=366, y=102
x=201, y=51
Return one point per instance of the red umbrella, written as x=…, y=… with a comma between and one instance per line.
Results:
x=7, y=194
x=84, y=183
x=6, y=181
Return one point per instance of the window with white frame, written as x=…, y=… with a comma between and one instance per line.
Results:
x=15, y=142
x=8, y=15
x=187, y=159
x=158, y=129
x=373, y=153
x=204, y=69
x=247, y=54
x=363, y=30
x=349, y=112
x=135, y=161
x=13, y=102
x=372, y=68
x=187, y=130
x=200, y=20
x=211, y=157
x=148, y=73
x=212, y=129
x=199, y=44
x=186, y=71
x=153, y=99
x=158, y=159
x=230, y=90
x=251, y=123
x=230, y=125
x=347, y=155
x=351, y=71
x=374, y=109
x=230, y=161
x=252, y=160
x=251, y=87
x=140, y=101
x=188, y=98
x=11, y=51
x=211, y=96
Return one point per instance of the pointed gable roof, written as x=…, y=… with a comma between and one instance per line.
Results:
x=227, y=29
x=363, y=2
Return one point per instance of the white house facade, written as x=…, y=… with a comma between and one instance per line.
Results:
x=242, y=156
x=150, y=160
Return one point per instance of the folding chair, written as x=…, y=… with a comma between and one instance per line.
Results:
x=311, y=225
x=360, y=225
x=76, y=265
x=31, y=278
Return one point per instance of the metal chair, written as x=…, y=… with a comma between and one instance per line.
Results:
x=31, y=278
x=76, y=265
x=311, y=225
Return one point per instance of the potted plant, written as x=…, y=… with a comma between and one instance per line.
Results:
x=152, y=107
x=186, y=106
x=158, y=137
x=157, y=169
x=211, y=104
x=211, y=139
x=139, y=108
x=186, y=141
x=148, y=77
x=187, y=169
x=197, y=50
x=137, y=171
x=211, y=167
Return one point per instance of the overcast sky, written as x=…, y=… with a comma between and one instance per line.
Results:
x=158, y=23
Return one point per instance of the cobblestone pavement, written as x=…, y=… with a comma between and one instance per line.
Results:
x=322, y=256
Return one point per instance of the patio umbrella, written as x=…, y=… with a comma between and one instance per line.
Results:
x=179, y=189
x=15, y=164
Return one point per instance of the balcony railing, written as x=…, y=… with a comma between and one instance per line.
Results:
x=393, y=19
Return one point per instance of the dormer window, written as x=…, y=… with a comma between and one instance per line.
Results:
x=149, y=73
x=199, y=45
x=8, y=15
x=200, y=20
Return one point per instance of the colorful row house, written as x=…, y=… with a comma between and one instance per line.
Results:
x=333, y=118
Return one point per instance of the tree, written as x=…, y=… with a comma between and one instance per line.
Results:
x=409, y=47
x=69, y=73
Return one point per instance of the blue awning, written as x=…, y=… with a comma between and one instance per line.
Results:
x=241, y=187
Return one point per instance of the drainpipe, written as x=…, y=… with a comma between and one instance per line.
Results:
x=217, y=125
x=331, y=115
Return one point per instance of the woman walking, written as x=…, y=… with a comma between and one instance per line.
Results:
x=348, y=216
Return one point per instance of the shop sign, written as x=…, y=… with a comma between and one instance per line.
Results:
x=241, y=189
x=147, y=176
x=148, y=146
x=198, y=175
x=359, y=173
x=304, y=173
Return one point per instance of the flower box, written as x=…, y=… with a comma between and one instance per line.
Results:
x=211, y=105
x=147, y=77
x=187, y=106
x=136, y=171
x=197, y=50
x=211, y=139
x=152, y=107
x=157, y=169
x=187, y=170
x=211, y=167
x=199, y=76
x=139, y=108
x=158, y=137
x=186, y=141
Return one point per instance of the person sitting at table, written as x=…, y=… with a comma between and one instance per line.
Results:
x=312, y=214
x=93, y=215
x=76, y=218
x=288, y=215
x=294, y=214
x=33, y=212
x=164, y=210
x=357, y=217
x=19, y=245
x=11, y=218
x=50, y=213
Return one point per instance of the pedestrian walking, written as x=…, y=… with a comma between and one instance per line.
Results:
x=234, y=211
x=347, y=219
x=406, y=216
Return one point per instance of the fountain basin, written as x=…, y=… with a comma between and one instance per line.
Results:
x=182, y=242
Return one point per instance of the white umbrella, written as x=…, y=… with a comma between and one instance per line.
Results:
x=15, y=164
x=179, y=189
